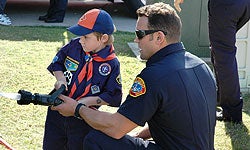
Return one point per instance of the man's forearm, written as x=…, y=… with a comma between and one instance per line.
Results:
x=113, y=124
x=102, y=121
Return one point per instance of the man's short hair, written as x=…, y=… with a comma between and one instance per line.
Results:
x=163, y=17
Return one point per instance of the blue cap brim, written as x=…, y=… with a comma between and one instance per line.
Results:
x=79, y=30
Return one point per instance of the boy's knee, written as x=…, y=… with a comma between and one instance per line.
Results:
x=91, y=140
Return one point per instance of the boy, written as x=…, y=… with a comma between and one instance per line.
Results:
x=88, y=67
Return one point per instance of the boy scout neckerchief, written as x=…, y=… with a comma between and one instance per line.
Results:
x=87, y=71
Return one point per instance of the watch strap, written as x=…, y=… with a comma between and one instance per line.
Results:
x=77, y=114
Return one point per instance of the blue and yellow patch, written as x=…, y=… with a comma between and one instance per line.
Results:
x=71, y=64
x=138, y=88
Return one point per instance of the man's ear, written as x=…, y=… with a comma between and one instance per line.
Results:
x=160, y=37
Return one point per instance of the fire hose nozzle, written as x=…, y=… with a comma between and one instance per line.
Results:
x=41, y=99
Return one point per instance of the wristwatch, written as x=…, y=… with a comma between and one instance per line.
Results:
x=77, y=115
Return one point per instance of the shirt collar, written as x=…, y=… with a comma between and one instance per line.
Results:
x=172, y=48
x=105, y=52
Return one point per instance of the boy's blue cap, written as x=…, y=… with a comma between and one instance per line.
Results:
x=94, y=20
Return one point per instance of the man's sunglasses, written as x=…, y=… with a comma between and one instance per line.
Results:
x=141, y=33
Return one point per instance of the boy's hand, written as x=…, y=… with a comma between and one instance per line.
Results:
x=59, y=83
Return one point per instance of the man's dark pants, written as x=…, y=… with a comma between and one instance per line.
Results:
x=57, y=9
x=97, y=140
x=226, y=17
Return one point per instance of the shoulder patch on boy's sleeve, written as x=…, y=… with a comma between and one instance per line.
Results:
x=55, y=59
x=119, y=79
x=71, y=64
x=138, y=88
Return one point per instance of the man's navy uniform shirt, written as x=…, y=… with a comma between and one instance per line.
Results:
x=106, y=79
x=176, y=95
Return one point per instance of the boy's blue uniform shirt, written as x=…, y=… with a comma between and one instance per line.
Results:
x=106, y=80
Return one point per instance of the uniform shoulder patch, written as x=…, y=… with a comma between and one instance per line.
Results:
x=119, y=79
x=138, y=88
x=55, y=59
x=71, y=64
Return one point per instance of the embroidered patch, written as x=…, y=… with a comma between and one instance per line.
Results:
x=119, y=79
x=55, y=59
x=95, y=89
x=104, y=69
x=88, y=58
x=71, y=64
x=138, y=88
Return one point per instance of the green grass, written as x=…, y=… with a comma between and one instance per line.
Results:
x=25, y=52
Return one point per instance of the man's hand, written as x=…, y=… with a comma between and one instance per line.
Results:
x=177, y=4
x=67, y=108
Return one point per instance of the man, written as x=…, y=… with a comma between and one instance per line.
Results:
x=175, y=94
x=225, y=19
x=56, y=12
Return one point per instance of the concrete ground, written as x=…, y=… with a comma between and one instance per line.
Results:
x=26, y=12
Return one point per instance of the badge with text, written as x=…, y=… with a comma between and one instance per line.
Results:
x=104, y=69
x=138, y=88
x=71, y=64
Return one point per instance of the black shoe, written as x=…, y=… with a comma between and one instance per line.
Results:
x=53, y=20
x=220, y=116
x=43, y=18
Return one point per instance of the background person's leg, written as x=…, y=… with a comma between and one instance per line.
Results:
x=2, y=6
x=60, y=9
x=49, y=11
x=223, y=25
